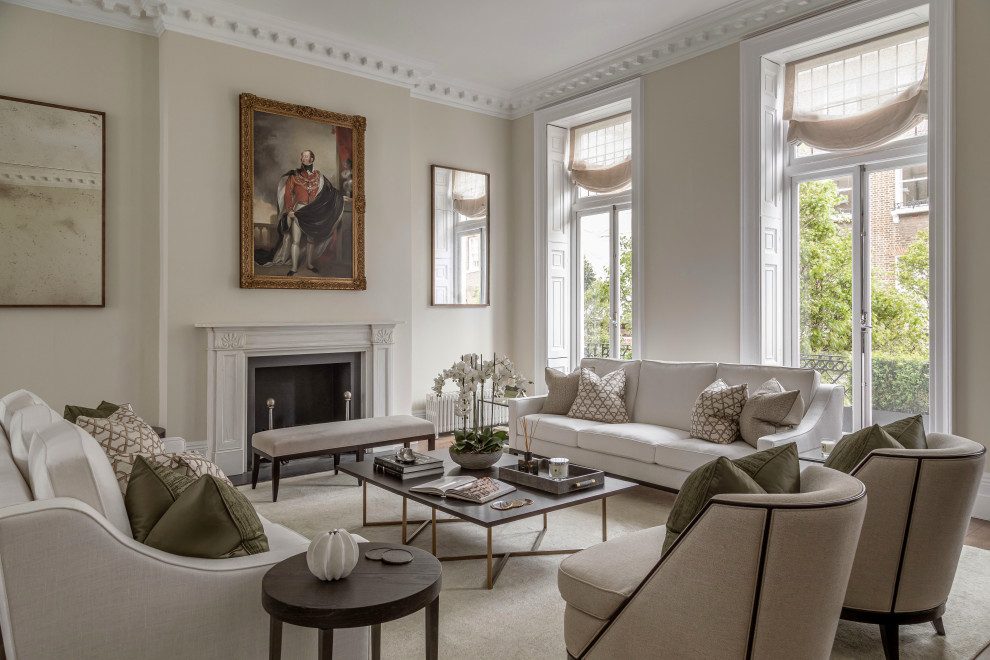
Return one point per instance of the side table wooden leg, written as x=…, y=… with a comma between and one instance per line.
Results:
x=326, y=644
x=433, y=630
x=376, y=642
x=275, y=640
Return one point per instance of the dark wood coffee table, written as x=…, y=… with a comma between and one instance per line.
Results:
x=479, y=514
x=371, y=595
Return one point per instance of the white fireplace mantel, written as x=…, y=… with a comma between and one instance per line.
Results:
x=229, y=345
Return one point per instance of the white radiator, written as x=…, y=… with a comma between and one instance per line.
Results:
x=440, y=411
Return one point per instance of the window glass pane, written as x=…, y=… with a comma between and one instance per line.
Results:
x=470, y=257
x=603, y=144
x=625, y=285
x=595, y=259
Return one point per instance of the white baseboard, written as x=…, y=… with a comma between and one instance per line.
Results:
x=982, y=507
x=419, y=412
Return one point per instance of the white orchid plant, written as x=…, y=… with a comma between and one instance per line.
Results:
x=478, y=378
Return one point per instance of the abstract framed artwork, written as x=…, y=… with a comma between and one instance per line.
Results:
x=52, y=205
x=301, y=198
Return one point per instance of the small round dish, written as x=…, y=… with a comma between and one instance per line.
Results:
x=396, y=557
x=375, y=554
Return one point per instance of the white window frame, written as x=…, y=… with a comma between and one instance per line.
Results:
x=630, y=91
x=940, y=170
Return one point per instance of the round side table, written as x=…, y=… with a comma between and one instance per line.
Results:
x=372, y=594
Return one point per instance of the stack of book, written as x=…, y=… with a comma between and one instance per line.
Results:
x=422, y=466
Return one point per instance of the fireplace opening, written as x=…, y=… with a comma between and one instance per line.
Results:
x=307, y=389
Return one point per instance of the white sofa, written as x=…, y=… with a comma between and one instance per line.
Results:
x=656, y=447
x=75, y=584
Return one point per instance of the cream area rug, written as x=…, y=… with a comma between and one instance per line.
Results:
x=523, y=616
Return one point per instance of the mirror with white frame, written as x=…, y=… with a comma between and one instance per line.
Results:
x=461, y=212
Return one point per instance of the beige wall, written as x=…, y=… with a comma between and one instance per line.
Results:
x=441, y=135
x=81, y=356
x=691, y=209
x=523, y=273
x=971, y=271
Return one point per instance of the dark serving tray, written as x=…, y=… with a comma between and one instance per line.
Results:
x=578, y=478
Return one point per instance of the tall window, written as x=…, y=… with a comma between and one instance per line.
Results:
x=859, y=307
x=601, y=175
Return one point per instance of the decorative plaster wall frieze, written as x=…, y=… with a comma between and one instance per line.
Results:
x=227, y=23
x=230, y=340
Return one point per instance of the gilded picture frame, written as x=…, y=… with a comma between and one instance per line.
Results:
x=302, y=197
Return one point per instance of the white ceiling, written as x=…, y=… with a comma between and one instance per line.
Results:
x=497, y=45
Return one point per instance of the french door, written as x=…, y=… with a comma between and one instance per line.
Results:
x=603, y=271
x=860, y=308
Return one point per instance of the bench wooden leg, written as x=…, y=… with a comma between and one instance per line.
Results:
x=336, y=464
x=255, y=466
x=406, y=444
x=432, y=443
x=276, y=464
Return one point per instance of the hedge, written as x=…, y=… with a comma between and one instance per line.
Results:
x=900, y=383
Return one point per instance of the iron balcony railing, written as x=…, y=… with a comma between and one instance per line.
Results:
x=602, y=349
x=834, y=369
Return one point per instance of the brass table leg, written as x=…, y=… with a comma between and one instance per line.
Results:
x=434, y=532
x=364, y=505
x=604, y=523
x=404, y=501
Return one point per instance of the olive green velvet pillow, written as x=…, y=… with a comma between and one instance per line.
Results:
x=102, y=411
x=189, y=516
x=854, y=447
x=151, y=490
x=909, y=431
x=718, y=477
x=777, y=469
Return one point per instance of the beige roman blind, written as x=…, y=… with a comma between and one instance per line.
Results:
x=601, y=154
x=470, y=194
x=861, y=96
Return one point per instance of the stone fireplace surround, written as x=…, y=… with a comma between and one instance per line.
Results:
x=229, y=345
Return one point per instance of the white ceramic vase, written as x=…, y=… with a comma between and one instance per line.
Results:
x=332, y=555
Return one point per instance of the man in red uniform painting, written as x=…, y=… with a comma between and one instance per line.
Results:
x=309, y=214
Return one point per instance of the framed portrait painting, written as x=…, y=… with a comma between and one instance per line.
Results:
x=52, y=205
x=302, y=197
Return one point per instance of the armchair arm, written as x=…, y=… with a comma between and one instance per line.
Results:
x=520, y=407
x=65, y=567
x=174, y=444
x=822, y=421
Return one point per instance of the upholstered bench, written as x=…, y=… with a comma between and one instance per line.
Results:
x=336, y=438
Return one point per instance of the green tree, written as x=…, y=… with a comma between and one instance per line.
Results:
x=596, y=306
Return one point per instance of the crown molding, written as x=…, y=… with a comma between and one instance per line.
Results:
x=226, y=23
x=706, y=33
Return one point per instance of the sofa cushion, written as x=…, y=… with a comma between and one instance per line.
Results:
x=595, y=583
x=102, y=411
x=792, y=378
x=13, y=402
x=909, y=431
x=720, y=477
x=715, y=414
x=65, y=461
x=636, y=441
x=14, y=487
x=562, y=389
x=123, y=432
x=769, y=410
x=555, y=428
x=601, y=399
x=151, y=490
x=603, y=366
x=667, y=391
x=187, y=463
x=24, y=422
x=211, y=519
x=777, y=469
x=854, y=447
x=689, y=454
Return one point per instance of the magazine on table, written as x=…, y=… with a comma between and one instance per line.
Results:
x=471, y=489
x=422, y=474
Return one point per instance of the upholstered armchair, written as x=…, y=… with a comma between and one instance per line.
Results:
x=752, y=576
x=920, y=506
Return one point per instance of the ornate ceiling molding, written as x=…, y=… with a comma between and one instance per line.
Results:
x=226, y=23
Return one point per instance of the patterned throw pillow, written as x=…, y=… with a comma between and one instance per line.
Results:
x=123, y=432
x=601, y=399
x=715, y=416
x=187, y=463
